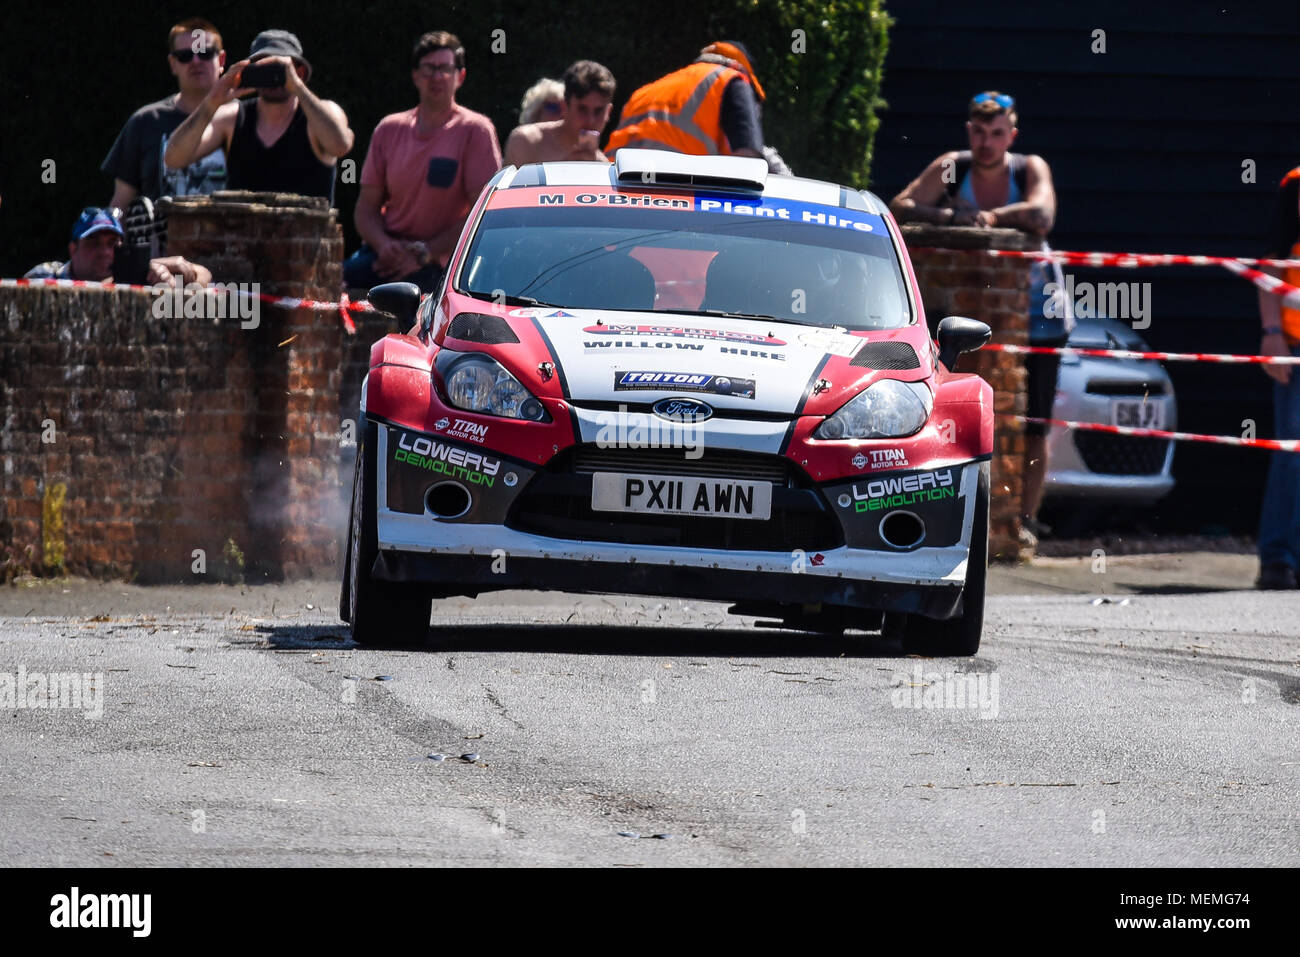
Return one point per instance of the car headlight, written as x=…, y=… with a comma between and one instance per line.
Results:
x=888, y=410
x=481, y=384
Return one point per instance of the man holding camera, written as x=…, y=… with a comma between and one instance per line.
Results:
x=92, y=250
x=287, y=140
x=588, y=98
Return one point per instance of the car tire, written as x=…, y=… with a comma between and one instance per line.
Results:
x=382, y=614
x=959, y=635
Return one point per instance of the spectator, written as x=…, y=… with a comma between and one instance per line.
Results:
x=196, y=58
x=707, y=108
x=588, y=98
x=544, y=100
x=989, y=186
x=424, y=170
x=306, y=135
x=96, y=236
x=985, y=185
x=1279, y=519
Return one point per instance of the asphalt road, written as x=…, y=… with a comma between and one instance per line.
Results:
x=239, y=727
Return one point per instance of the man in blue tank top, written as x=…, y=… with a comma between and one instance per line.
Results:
x=987, y=185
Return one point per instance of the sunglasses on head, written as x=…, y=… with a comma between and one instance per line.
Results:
x=1001, y=99
x=186, y=55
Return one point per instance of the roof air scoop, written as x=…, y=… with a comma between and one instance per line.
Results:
x=634, y=167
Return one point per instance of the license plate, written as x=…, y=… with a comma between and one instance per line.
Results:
x=681, y=495
x=1137, y=414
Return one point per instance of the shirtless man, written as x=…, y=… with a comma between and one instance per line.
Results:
x=588, y=96
x=986, y=186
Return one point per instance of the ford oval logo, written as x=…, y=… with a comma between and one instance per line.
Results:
x=683, y=410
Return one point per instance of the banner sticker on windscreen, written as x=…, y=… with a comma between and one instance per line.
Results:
x=792, y=211
x=787, y=210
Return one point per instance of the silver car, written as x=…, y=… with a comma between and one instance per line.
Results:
x=1099, y=467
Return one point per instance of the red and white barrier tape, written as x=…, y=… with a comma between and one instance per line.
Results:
x=1241, y=265
x=1277, y=445
x=344, y=307
x=1289, y=294
x=1130, y=354
x=1131, y=260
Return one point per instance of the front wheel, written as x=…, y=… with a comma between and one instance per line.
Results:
x=960, y=635
x=381, y=613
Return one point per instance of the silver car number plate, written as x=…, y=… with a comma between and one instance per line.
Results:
x=1137, y=414
x=681, y=495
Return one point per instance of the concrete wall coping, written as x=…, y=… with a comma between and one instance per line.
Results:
x=282, y=204
x=967, y=237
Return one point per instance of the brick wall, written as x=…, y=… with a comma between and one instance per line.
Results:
x=124, y=435
x=169, y=435
x=958, y=278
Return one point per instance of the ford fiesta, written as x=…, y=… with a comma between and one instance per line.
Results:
x=675, y=376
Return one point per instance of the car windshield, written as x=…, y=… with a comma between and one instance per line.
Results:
x=684, y=260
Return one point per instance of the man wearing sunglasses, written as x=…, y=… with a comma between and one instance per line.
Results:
x=544, y=100
x=195, y=57
x=423, y=171
x=284, y=140
x=588, y=98
x=989, y=186
x=985, y=185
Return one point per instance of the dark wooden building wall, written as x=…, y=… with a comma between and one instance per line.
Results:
x=1146, y=143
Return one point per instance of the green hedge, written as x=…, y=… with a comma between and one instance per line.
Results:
x=821, y=111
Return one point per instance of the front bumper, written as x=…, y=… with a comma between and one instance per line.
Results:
x=479, y=551
x=463, y=574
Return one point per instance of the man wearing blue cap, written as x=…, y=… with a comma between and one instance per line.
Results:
x=96, y=235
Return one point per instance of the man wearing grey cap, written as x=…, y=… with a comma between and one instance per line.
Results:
x=287, y=140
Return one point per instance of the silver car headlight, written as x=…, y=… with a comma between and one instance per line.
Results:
x=481, y=384
x=888, y=410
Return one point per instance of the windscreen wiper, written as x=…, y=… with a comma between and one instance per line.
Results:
x=723, y=314
x=505, y=300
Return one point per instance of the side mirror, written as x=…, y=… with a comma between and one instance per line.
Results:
x=399, y=299
x=957, y=334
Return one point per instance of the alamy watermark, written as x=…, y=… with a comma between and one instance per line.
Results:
x=641, y=430
x=973, y=691
x=129, y=911
x=218, y=301
x=66, y=690
x=1127, y=301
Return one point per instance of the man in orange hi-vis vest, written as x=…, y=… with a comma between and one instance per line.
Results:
x=707, y=108
x=1279, y=520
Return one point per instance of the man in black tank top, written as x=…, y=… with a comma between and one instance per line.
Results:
x=287, y=140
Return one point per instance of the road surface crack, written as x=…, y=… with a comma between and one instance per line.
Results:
x=501, y=708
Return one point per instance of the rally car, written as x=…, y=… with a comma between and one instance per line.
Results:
x=675, y=376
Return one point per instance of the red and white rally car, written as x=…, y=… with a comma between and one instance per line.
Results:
x=675, y=376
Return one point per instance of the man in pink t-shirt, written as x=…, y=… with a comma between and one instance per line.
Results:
x=424, y=170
